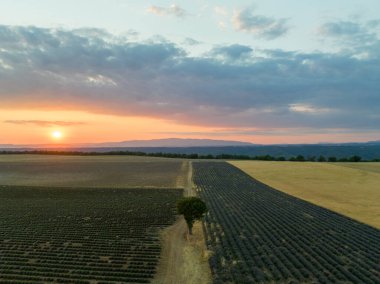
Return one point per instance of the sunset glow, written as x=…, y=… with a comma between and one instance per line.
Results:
x=289, y=72
x=56, y=134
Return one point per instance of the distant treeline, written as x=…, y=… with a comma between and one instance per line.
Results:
x=298, y=158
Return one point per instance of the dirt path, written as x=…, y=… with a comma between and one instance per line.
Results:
x=171, y=257
x=184, y=259
x=184, y=179
x=189, y=189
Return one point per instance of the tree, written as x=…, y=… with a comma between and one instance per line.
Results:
x=192, y=208
x=355, y=158
x=321, y=159
x=332, y=159
x=300, y=158
x=312, y=158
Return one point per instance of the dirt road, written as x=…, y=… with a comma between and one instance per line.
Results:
x=184, y=259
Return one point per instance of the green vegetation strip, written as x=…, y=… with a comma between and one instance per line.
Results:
x=77, y=235
x=222, y=156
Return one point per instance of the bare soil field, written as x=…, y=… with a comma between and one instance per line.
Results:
x=91, y=171
x=350, y=191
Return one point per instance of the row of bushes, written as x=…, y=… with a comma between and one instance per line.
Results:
x=299, y=158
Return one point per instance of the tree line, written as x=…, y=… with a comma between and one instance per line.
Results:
x=298, y=158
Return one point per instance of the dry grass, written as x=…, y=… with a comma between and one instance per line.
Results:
x=90, y=171
x=349, y=191
x=182, y=178
x=184, y=258
x=369, y=167
x=196, y=269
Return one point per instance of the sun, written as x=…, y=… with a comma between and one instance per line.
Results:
x=56, y=134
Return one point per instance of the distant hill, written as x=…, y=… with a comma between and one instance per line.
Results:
x=5, y=146
x=367, y=150
x=172, y=142
x=168, y=142
x=374, y=142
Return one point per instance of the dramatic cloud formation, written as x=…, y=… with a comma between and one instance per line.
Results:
x=172, y=10
x=231, y=86
x=45, y=123
x=269, y=28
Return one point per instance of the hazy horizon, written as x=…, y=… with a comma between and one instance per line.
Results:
x=169, y=142
x=260, y=72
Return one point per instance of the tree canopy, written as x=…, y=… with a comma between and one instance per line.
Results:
x=192, y=208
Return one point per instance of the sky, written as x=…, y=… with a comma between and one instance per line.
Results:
x=265, y=72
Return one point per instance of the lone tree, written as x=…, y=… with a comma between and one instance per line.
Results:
x=192, y=208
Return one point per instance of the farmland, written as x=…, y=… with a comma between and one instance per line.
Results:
x=67, y=235
x=351, y=189
x=370, y=167
x=94, y=171
x=107, y=219
x=262, y=235
x=84, y=219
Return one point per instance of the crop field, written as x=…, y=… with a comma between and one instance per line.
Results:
x=369, y=167
x=91, y=171
x=258, y=234
x=351, y=189
x=82, y=235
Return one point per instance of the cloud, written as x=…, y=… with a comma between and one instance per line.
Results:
x=351, y=35
x=373, y=24
x=265, y=27
x=234, y=51
x=231, y=86
x=343, y=28
x=191, y=42
x=221, y=11
x=172, y=10
x=304, y=108
x=45, y=123
x=263, y=132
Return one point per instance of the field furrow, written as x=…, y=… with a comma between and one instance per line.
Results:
x=67, y=235
x=261, y=235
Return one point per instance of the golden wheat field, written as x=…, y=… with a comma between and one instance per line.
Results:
x=371, y=167
x=350, y=189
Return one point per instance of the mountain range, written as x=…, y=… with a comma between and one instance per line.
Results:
x=168, y=142
x=174, y=142
x=367, y=150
